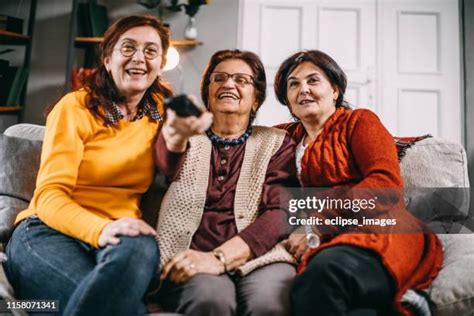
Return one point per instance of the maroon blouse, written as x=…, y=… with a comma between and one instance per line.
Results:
x=218, y=221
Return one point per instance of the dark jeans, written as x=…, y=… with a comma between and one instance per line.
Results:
x=46, y=264
x=343, y=280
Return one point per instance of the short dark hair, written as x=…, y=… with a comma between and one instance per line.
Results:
x=254, y=62
x=331, y=69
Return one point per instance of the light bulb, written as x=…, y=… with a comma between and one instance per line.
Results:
x=172, y=59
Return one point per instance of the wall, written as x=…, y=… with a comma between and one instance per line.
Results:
x=217, y=20
x=48, y=58
x=467, y=7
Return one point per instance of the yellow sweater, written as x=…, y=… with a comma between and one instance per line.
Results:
x=91, y=174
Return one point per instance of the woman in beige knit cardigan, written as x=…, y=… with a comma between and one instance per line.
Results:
x=220, y=222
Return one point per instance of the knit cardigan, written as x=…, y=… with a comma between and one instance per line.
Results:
x=183, y=204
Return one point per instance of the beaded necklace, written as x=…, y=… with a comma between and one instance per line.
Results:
x=216, y=140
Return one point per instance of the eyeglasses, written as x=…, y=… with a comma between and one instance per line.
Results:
x=128, y=50
x=239, y=78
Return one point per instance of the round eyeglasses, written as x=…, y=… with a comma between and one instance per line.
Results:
x=150, y=51
x=239, y=78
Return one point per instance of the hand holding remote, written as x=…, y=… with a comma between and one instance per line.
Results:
x=184, y=120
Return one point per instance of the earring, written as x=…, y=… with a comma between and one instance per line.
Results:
x=253, y=115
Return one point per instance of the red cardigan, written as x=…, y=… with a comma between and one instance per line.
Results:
x=355, y=150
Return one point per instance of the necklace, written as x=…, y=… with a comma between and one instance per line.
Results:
x=216, y=140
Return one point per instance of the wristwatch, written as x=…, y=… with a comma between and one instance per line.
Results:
x=312, y=239
x=219, y=254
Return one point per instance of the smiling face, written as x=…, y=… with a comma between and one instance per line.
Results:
x=310, y=93
x=133, y=75
x=228, y=96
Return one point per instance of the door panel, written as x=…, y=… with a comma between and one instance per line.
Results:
x=420, y=68
x=278, y=40
x=339, y=33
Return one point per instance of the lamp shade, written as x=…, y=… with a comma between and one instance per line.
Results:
x=172, y=59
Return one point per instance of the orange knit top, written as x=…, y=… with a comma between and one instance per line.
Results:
x=354, y=150
x=91, y=173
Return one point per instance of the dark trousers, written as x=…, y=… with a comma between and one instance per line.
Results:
x=45, y=264
x=262, y=292
x=343, y=280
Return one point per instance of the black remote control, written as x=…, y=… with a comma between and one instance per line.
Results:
x=183, y=106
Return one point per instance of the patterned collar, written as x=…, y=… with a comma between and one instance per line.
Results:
x=146, y=106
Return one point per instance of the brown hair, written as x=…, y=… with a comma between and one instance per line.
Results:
x=254, y=62
x=100, y=86
x=335, y=74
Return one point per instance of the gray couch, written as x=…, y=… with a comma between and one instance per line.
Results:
x=435, y=175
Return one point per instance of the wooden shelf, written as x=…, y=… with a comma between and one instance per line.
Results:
x=8, y=38
x=5, y=109
x=87, y=41
x=11, y=38
x=185, y=42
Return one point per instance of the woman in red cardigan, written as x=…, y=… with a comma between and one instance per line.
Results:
x=358, y=272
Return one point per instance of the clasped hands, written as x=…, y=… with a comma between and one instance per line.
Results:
x=188, y=263
x=297, y=244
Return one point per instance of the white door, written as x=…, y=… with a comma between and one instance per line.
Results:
x=401, y=56
x=420, y=67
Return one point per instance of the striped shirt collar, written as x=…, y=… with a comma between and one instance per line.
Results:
x=147, y=106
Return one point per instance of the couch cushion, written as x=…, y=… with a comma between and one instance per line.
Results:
x=436, y=182
x=19, y=163
x=6, y=290
x=26, y=131
x=452, y=291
